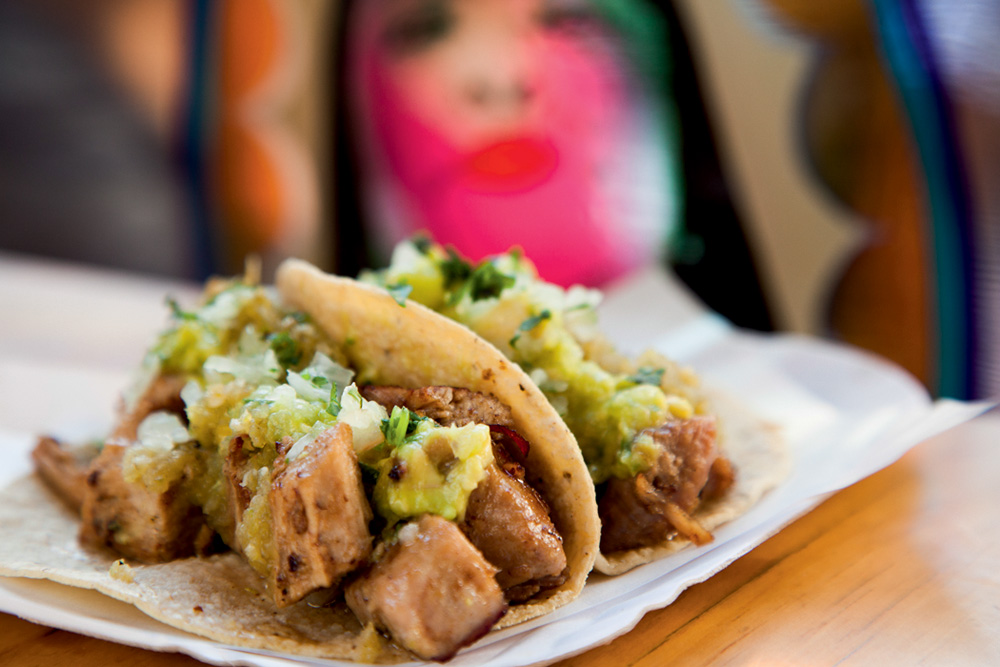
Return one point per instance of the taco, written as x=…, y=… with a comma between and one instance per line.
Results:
x=321, y=470
x=669, y=461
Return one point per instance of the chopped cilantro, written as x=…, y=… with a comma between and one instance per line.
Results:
x=394, y=428
x=178, y=312
x=422, y=243
x=488, y=281
x=333, y=407
x=454, y=269
x=647, y=375
x=399, y=292
x=400, y=424
x=485, y=282
x=530, y=324
x=285, y=349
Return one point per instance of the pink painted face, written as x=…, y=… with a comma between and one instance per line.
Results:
x=493, y=123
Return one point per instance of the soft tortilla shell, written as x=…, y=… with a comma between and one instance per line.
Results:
x=220, y=598
x=758, y=453
x=412, y=346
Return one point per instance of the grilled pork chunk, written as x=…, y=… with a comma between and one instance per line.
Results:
x=645, y=509
x=64, y=470
x=506, y=519
x=138, y=523
x=135, y=522
x=319, y=517
x=431, y=590
x=509, y=523
x=448, y=406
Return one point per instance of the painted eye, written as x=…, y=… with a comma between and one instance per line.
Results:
x=418, y=27
x=572, y=18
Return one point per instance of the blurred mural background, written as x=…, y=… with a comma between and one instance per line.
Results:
x=829, y=168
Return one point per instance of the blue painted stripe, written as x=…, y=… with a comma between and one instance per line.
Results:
x=193, y=134
x=911, y=60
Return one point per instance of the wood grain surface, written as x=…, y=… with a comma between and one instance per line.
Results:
x=901, y=568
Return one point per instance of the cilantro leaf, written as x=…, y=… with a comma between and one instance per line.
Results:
x=421, y=242
x=454, y=269
x=394, y=428
x=399, y=292
x=488, y=281
x=334, y=406
x=530, y=323
x=285, y=348
x=178, y=312
x=647, y=375
x=401, y=424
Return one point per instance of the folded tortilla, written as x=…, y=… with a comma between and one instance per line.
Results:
x=220, y=597
x=759, y=455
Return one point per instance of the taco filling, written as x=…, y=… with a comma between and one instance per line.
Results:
x=246, y=430
x=644, y=428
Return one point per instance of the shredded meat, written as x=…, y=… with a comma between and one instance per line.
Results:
x=135, y=522
x=647, y=508
x=448, y=406
x=63, y=469
x=508, y=521
x=319, y=517
x=431, y=590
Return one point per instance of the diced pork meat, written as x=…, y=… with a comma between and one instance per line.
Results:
x=63, y=469
x=645, y=509
x=432, y=591
x=448, y=406
x=508, y=521
x=234, y=469
x=319, y=517
x=135, y=522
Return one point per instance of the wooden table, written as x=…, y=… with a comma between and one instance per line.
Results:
x=902, y=568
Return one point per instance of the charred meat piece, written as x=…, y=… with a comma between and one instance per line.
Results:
x=319, y=517
x=431, y=590
x=509, y=523
x=644, y=510
x=448, y=406
x=234, y=468
x=135, y=522
x=64, y=469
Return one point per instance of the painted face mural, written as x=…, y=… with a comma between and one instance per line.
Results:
x=492, y=123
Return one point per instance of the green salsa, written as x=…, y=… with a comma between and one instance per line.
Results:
x=267, y=376
x=545, y=329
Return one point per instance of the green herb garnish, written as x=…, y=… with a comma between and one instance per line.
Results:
x=454, y=269
x=400, y=424
x=285, y=349
x=647, y=375
x=422, y=243
x=178, y=312
x=399, y=292
x=530, y=324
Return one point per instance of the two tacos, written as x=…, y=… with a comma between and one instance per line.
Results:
x=391, y=349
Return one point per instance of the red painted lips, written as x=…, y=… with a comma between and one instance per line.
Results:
x=511, y=165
